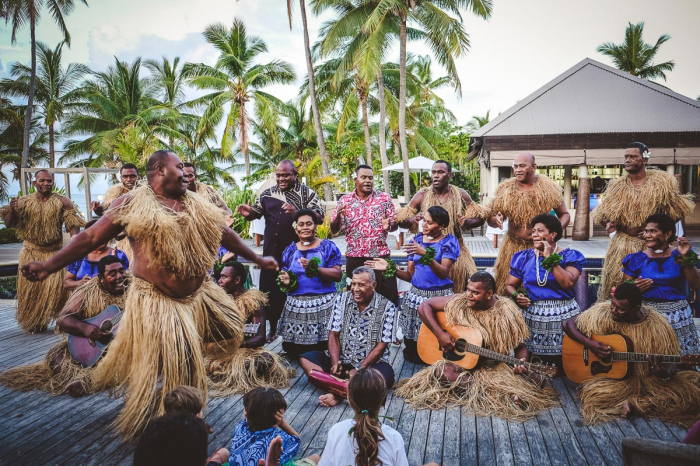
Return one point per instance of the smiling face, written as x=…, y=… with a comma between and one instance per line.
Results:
x=113, y=279
x=540, y=235
x=191, y=177
x=634, y=162
x=654, y=237
x=174, y=181
x=362, y=288
x=430, y=227
x=440, y=175
x=286, y=176
x=306, y=228
x=524, y=167
x=43, y=183
x=129, y=177
x=478, y=295
x=364, y=182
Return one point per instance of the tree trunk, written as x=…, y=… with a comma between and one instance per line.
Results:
x=365, y=124
x=30, y=99
x=583, y=201
x=402, y=106
x=327, y=191
x=382, y=132
x=52, y=152
x=244, y=138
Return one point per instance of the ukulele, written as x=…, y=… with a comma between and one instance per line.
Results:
x=469, y=348
x=581, y=364
x=87, y=352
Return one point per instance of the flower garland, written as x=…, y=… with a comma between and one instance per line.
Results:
x=689, y=260
x=518, y=292
x=429, y=256
x=293, y=282
x=312, y=270
x=391, y=269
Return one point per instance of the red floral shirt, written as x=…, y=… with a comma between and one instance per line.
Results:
x=363, y=223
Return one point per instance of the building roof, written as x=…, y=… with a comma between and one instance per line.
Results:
x=592, y=98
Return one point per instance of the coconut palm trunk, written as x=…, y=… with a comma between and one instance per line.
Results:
x=402, y=105
x=382, y=131
x=244, y=137
x=30, y=99
x=52, y=152
x=365, y=124
x=327, y=192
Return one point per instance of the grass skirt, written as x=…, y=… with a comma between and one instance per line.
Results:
x=160, y=335
x=620, y=246
x=680, y=315
x=409, y=320
x=501, y=269
x=42, y=376
x=463, y=268
x=545, y=319
x=486, y=391
x=38, y=303
x=305, y=319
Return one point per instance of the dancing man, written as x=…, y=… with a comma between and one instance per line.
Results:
x=627, y=202
x=204, y=190
x=174, y=306
x=38, y=219
x=459, y=206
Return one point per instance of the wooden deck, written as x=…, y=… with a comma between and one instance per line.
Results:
x=38, y=429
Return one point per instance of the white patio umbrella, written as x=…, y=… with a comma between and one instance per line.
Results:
x=418, y=165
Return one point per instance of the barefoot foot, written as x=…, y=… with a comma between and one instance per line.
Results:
x=329, y=400
x=75, y=389
x=626, y=410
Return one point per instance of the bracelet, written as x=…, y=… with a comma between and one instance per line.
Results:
x=518, y=292
x=293, y=283
x=689, y=260
x=429, y=256
x=391, y=269
x=552, y=261
x=312, y=270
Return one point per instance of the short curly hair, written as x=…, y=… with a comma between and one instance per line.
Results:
x=551, y=223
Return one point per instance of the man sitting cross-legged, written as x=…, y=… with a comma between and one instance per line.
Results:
x=58, y=368
x=654, y=389
x=492, y=388
x=234, y=369
x=360, y=331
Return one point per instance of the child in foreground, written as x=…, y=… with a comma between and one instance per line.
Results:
x=264, y=421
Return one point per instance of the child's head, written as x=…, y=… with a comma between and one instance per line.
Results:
x=180, y=438
x=261, y=405
x=184, y=398
x=366, y=395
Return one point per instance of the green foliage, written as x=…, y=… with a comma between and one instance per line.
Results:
x=454, y=148
x=323, y=230
x=233, y=198
x=9, y=235
x=8, y=287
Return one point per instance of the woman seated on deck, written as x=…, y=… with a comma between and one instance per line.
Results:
x=83, y=270
x=308, y=271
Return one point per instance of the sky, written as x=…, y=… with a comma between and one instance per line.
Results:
x=524, y=45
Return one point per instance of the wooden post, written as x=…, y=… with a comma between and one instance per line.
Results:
x=257, y=240
x=88, y=197
x=66, y=177
x=399, y=243
x=583, y=202
x=495, y=241
x=567, y=186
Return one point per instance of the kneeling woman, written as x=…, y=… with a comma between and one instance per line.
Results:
x=663, y=273
x=431, y=255
x=541, y=282
x=309, y=270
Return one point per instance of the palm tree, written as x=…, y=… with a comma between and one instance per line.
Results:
x=636, y=57
x=54, y=88
x=21, y=12
x=168, y=83
x=327, y=192
x=235, y=81
x=118, y=115
x=478, y=121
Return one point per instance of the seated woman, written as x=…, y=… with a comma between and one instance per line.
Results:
x=83, y=270
x=663, y=273
x=431, y=255
x=547, y=273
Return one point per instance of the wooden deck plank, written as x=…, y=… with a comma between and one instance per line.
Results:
x=451, y=439
x=435, y=438
x=484, y=440
x=470, y=448
x=501, y=442
x=535, y=442
x=519, y=444
x=418, y=436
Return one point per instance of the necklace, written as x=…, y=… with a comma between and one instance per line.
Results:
x=540, y=282
x=660, y=251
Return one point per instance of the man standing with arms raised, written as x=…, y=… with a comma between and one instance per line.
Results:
x=455, y=200
x=38, y=218
x=626, y=205
x=278, y=205
x=172, y=306
x=367, y=215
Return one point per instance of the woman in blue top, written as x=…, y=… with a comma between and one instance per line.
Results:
x=308, y=274
x=431, y=255
x=83, y=270
x=663, y=273
x=541, y=282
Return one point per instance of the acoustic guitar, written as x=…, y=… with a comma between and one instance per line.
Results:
x=468, y=349
x=580, y=364
x=87, y=352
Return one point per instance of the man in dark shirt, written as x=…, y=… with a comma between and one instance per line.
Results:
x=278, y=205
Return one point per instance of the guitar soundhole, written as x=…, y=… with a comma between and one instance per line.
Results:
x=452, y=356
x=598, y=368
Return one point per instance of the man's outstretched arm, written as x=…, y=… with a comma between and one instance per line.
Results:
x=232, y=242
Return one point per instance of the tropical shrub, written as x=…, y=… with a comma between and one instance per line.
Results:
x=9, y=235
x=233, y=198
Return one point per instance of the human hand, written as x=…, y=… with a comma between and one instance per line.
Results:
x=289, y=209
x=643, y=283
x=274, y=453
x=284, y=277
x=386, y=224
x=94, y=333
x=340, y=213
x=245, y=210
x=414, y=248
x=13, y=204
x=279, y=417
x=601, y=350
x=267, y=263
x=446, y=342
x=520, y=368
x=499, y=220
x=657, y=369
x=351, y=372
x=418, y=218
x=35, y=271
x=683, y=246
x=85, y=279
x=549, y=248
x=337, y=369
x=377, y=264
x=304, y=262
x=462, y=220
x=610, y=226
x=522, y=301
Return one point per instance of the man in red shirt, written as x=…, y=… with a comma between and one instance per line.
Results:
x=367, y=215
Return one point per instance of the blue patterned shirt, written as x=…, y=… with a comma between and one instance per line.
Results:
x=360, y=332
x=248, y=447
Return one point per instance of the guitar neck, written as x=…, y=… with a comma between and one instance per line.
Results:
x=490, y=354
x=642, y=357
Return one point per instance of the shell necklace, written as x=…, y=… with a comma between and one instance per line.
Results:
x=540, y=281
